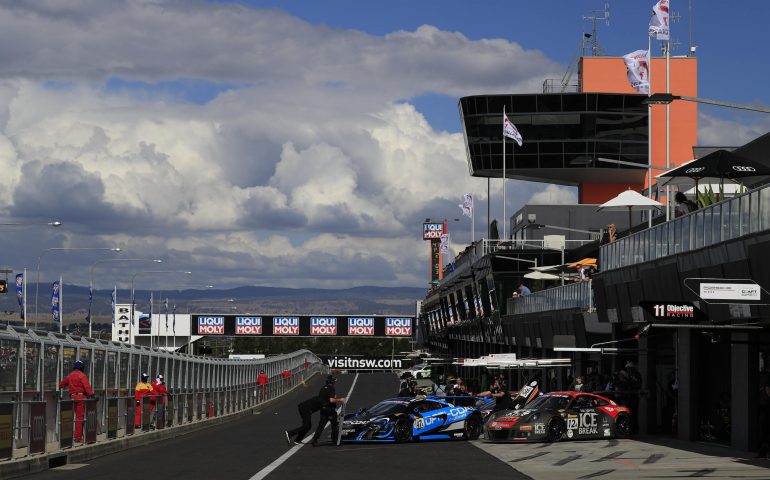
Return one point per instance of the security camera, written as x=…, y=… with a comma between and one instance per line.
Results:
x=531, y=217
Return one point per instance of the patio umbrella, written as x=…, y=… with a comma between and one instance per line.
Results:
x=586, y=262
x=630, y=200
x=720, y=164
x=541, y=276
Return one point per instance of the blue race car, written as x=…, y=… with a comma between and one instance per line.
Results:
x=409, y=419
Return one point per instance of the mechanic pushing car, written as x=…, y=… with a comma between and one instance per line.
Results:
x=329, y=401
x=306, y=409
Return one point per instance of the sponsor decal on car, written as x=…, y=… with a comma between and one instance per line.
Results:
x=570, y=433
x=539, y=428
x=525, y=428
x=607, y=432
x=588, y=425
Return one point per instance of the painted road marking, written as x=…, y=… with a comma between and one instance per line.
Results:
x=280, y=460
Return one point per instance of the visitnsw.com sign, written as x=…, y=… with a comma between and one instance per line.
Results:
x=303, y=326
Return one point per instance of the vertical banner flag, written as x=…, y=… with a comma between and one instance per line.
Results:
x=150, y=307
x=637, y=64
x=90, y=301
x=467, y=205
x=444, y=248
x=20, y=293
x=114, y=297
x=510, y=131
x=165, y=309
x=173, y=319
x=55, y=287
x=659, y=21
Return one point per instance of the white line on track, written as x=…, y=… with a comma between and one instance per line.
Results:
x=280, y=460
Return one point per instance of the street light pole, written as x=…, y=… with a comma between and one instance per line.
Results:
x=131, y=325
x=666, y=98
x=37, y=282
x=91, y=279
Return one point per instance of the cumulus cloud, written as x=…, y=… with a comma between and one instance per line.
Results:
x=714, y=131
x=313, y=171
x=554, y=195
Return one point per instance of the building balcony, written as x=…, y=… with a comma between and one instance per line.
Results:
x=578, y=295
x=727, y=220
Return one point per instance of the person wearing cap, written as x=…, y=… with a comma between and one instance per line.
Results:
x=79, y=389
x=329, y=400
x=142, y=390
x=159, y=392
x=409, y=390
x=262, y=381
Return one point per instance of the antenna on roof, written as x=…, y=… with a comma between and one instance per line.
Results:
x=592, y=38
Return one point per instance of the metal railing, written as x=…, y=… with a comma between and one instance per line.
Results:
x=729, y=219
x=574, y=295
x=32, y=363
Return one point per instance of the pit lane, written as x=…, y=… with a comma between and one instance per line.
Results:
x=243, y=448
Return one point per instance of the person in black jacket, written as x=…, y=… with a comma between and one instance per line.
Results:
x=409, y=391
x=306, y=410
x=329, y=400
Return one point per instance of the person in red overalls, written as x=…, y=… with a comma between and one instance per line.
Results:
x=159, y=393
x=286, y=375
x=262, y=381
x=142, y=390
x=79, y=389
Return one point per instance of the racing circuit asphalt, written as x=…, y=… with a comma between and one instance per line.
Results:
x=243, y=448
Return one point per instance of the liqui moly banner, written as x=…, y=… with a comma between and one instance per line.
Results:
x=211, y=325
x=361, y=326
x=659, y=21
x=323, y=325
x=248, y=325
x=637, y=64
x=285, y=325
x=398, y=327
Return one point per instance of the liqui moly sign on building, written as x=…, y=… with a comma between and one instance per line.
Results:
x=323, y=325
x=248, y=325
x=361, y=326
x=211, y=325
x=398, y=327
x=285, y=325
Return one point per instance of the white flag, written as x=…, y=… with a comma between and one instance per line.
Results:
x=510, y=131
x=637, y=64
x=467, y=205
x=659, y=21
x=444, y=247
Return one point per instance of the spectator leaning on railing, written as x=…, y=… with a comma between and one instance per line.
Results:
x=262, y=381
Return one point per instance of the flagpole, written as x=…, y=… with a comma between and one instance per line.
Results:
x=649, y=131
x=473, y=226
x=668, y=122
x=489, y=220
x=90, y=297
x=24, y=294
x=505, y=221
x=61, y=310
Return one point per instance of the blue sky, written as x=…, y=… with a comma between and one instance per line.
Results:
x=295, y=143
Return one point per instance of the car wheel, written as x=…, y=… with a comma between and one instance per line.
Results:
x=402, y=431
x=622, y=425
x=555, y=430
x=473, y=427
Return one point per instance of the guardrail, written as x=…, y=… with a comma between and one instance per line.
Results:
x=729, y=219
x=574, y=295
x=36, y=417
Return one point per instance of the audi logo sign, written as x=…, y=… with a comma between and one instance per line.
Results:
x=741, y=168
x=695, y=170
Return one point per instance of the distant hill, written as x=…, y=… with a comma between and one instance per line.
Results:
x=251, y=299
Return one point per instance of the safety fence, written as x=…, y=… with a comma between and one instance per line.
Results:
x=574, y=295
x=726, y=220
x=37, y=417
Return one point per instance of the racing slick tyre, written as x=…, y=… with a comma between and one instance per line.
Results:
x=623, y=426
x=556, y=430
x=473, y=427
x=402, y=430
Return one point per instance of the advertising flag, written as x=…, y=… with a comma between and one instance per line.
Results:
x=659, y=21
x=90, y=301
x=444, y=247
x=114, y=297
x=637, y=64
x=55, y=313
x=20, y=293
x=165, y=309
x=150, y=307
x=467, y=205
x=510, y=131
x=173, y=319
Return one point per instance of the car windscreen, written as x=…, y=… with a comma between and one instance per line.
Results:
x=548, y=402
x=386, y=408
